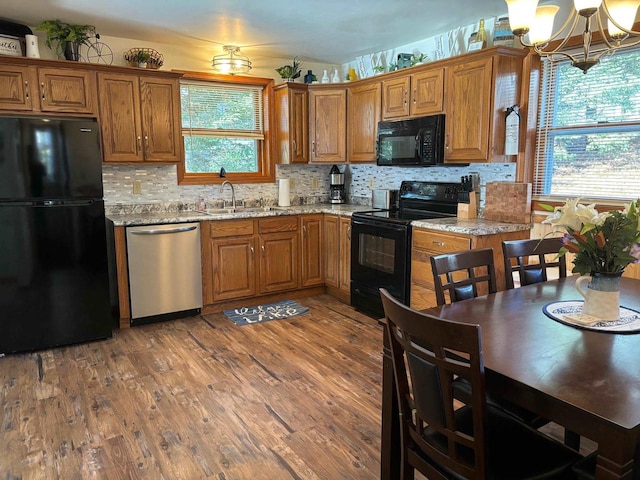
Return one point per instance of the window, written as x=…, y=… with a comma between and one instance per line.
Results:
x=223, y=126
x=589, y=129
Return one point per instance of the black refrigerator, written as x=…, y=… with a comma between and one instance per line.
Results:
x=54, y=279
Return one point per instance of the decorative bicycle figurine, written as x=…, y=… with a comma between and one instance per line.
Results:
x=98, y=52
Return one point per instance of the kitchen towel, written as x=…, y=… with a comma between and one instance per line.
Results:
x=284, y=186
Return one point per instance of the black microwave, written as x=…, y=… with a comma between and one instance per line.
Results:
x=414, y=142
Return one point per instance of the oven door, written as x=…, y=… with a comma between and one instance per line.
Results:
x=379, y=258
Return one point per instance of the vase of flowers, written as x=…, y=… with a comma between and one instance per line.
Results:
x=604, y=243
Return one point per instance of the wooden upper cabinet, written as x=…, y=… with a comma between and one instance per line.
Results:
x=66, y=90
x=120, y=117
x=292, y=123
x=427, y=92
x=17, y=88
x=395, y=97
x=55, y=90
x=468, y=108
x=413, y=95
x=363, y=116
x=140, y=118
x=327, y=124
x=161, y=121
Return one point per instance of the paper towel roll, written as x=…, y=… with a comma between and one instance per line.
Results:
x=284, y=199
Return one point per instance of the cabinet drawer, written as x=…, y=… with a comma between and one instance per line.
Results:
x=287, y=223
x=437, y=242
x=231, y=228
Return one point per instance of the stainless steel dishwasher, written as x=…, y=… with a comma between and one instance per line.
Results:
x=164, y=271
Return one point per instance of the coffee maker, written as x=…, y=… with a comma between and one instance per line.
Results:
x=337, y=193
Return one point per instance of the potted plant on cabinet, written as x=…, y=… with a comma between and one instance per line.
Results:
x=290, y=72
x=67, y=37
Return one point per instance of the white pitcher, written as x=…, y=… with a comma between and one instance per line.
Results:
x=601, y=297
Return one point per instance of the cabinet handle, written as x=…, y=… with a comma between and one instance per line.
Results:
x=139, y=144
x=446, y=141
x=415, y=92
x=252, y=252
x=440, y=244
x=406, y=94
x=313, y=147
x=349, y=232
x=26, y=89
x=295, y=149
x=146, y=142
x=42, y=86
x=262, y=248
x=304, y=229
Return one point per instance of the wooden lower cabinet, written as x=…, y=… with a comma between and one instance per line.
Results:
x=250, y=257
x=311, y=250
x=426, y=243
x=337, y=248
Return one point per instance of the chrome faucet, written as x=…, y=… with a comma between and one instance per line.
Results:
x=233, y=192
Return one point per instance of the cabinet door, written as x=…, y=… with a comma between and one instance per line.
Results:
x=363, y=117
x=311, y=250
x=427, y=92
x=345, y=255
x=292, y=124
x=17, y=89
x=233, y=262
x=161, y=122
x=119, y=100
x=395, y=97
x=327, y=125
x=66, y=90
x=468, y=107
x=331, y=250
x=278, y=262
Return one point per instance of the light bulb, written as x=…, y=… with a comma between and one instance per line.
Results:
x=624, y=13
x=542, y=25
x=521, y=14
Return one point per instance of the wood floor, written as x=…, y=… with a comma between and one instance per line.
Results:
x=201, y=398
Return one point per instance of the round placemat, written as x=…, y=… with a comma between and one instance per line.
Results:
x=569, y=312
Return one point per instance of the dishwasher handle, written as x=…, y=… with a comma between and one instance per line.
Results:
x=155, y=231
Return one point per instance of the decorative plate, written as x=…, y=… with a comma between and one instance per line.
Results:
x=569, y=312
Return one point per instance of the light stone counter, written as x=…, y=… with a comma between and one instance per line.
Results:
x=475, y=226
x=155, y=218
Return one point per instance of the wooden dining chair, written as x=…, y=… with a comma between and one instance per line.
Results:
x=517, y=255
x=442, y=438
x=459, y=275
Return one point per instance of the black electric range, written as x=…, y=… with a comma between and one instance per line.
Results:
x=381, y=242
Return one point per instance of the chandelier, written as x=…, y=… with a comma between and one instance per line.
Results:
x=232, y=62
x=526, y=17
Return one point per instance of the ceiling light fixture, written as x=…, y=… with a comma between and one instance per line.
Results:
x=232, y=62
x=525, y=16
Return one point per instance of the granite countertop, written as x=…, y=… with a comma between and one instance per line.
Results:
x=475, y=226
x=155, y=218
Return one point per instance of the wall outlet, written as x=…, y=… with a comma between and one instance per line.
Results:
x=314, y=182
x=137, y=187
x=372, y=182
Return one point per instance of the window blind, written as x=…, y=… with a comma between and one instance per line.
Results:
x=222, y=110
x=588, y=139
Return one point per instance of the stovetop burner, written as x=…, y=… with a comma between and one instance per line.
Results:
x=420, y=201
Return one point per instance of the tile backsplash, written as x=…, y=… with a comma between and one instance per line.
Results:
x=310, y=183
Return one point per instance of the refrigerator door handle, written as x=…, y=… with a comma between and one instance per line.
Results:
x=163, y=231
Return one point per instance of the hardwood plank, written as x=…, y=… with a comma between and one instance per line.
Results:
x=199, y=397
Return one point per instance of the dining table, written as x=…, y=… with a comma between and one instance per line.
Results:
x=583, y=379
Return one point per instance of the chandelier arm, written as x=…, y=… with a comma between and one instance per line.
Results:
x=609, y=17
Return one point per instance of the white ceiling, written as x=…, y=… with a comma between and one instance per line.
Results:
x=327, y=31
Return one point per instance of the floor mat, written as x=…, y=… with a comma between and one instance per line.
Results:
x=266, y=312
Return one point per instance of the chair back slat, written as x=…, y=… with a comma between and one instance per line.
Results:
x=518, y=256
x=459, y=275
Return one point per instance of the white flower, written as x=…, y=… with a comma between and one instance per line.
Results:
x=566, y=216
